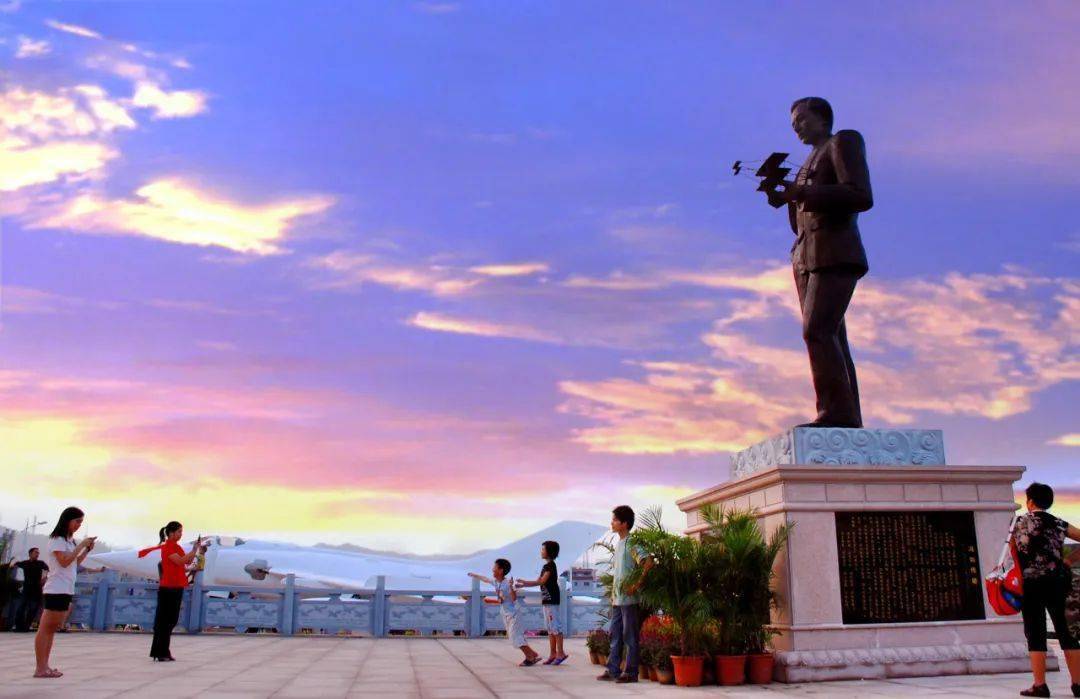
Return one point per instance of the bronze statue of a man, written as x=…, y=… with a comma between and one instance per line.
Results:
x=824, y=201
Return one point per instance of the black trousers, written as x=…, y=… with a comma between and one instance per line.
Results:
x=824, y=296
x=1044, y=596
x=165, y=618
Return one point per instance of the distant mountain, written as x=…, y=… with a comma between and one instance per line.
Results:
x=363, y=550
x=353, y=548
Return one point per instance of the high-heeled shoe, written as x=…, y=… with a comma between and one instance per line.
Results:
x=1036, y=690
x=1076, y=689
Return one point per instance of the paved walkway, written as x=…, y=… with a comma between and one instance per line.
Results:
x=108, y=665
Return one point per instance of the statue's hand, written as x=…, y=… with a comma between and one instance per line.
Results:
x=791, y=191
x=776, y=199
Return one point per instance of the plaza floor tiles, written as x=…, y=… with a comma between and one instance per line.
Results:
x=116, y=665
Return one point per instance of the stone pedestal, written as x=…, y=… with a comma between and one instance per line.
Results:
x=814, y=642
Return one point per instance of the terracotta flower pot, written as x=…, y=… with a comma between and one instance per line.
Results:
x=654, y=674
x=688, y=669
x=594, y=657
x=643, y=672
x=665, y=676
x=730, y=669
x=760, y=668
x=603, y=658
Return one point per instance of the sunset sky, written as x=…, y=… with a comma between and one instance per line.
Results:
x=431, y=275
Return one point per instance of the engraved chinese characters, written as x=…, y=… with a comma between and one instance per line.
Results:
x=908, y=567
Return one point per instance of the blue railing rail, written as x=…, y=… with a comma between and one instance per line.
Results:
x=108, y=603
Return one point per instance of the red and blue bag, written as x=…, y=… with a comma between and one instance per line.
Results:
x=1005, y=582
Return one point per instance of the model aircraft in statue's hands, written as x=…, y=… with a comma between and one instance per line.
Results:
x=771, y=172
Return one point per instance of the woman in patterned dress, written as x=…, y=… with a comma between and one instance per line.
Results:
x=1040, y=542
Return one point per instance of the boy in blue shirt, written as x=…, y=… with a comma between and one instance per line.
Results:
x=625, y=623
x=507, y=599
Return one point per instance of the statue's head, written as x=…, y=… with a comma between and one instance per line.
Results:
x=812, y=119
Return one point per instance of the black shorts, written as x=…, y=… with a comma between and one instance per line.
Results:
x=57, y=603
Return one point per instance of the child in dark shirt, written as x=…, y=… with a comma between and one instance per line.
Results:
x=551, y=598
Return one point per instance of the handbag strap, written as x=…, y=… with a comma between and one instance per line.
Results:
x=1008, y=542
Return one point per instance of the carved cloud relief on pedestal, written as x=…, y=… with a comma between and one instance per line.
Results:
x=841, y=445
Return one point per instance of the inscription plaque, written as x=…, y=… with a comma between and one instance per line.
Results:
x=908, y=566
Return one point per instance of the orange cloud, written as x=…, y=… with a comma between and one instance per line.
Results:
x=169, y=104
x=46, y=137
x=84, y=110
x=178, y=212
x=978, y=345
x=73, y=29
x=31, y=48
x=25, y=166
x=448, y=324
x=1067, y=440
x=274, y=462
x=521, y=269
x=350, y=269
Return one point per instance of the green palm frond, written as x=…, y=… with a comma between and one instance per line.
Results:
x=740, y=581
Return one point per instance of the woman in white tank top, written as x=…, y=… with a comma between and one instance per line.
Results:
x=63, y=557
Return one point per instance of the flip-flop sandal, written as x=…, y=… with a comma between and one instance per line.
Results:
x=549, y=661
x=49, y=674
x=560, y=661
x=528, y=663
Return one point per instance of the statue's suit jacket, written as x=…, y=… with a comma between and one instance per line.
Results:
x=824, y=217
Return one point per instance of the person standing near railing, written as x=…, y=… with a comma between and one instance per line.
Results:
x=171, y=587
x=35, y=572
x=66, y=555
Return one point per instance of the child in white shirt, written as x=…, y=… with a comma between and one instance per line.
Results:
x=507, y=599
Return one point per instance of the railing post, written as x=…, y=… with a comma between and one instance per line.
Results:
x=476, y=610
x=110, y=595
x=195, y=604
x=378, y=608
x=568, y=611
x=101, y=600
x=288, y=606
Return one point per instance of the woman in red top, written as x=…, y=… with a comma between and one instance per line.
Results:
x=171, y=587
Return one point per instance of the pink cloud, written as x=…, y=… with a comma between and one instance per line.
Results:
x=978, y=345
x=236, y=433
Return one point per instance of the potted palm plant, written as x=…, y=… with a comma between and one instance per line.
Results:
x=760, y=660
x=674, y=585
x=739, y=585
